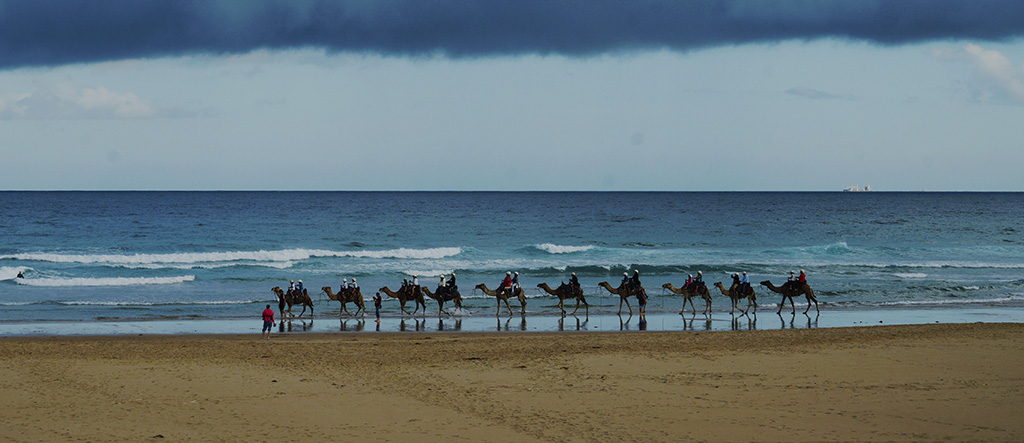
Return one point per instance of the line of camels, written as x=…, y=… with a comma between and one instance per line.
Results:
x=564, y=292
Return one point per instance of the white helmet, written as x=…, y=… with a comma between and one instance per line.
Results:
x=508, y=272
x=689, y=275
x=353, y=280
x=453, y=272
x=625, y=274
x=700, y=273
x=291, y=281
x=573, y=273
x=801, y=271
x=791, y=272
x=517, y=272
x=744, y=272
x=344, y=279
x=300, y=281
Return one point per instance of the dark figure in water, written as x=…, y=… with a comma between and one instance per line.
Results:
x=20, y=275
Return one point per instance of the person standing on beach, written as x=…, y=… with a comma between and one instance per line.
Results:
x=376, y=305
x=268, y=322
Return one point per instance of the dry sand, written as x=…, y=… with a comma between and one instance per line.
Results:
x=931, y=382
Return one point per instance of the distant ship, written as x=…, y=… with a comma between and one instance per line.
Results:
x=855, y=188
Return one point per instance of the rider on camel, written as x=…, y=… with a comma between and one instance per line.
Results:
x=744, y=284
x=635, y=282
x=506, y=284
x=574, y=284
x=451, y=284
x=698, y=283
x=802, y=279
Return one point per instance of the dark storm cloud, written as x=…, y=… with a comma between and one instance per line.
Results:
x=56, y=32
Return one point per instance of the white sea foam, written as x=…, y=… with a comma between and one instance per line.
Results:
x=560, y=249
x=261, y=256
x=432, y=273
x=11, y=272
x=123, y=303
x=186, y=266
x=910, y=275
x=113, y=281
x=953, y=301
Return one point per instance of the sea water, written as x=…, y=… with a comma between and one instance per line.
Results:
x=126, y=262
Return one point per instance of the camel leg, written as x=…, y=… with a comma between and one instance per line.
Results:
x=810, y=298
x=574, y=310
x=561, y=306
x=628, y=306
x=509, y=308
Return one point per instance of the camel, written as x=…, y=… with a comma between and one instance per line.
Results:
x=688, y=294
x=345, y=298
x=456, y=297
x=734, y=294
x=563, y=292
x=623, y=294
x=793, y=290
x=293, y=298
x=404, y=295
x=503, y=296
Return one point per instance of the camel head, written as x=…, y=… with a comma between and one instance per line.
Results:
x=277, y=290
x=666, y=286
x=766, y=283
x=543, y=285
x=719, y=285
x=481, y=287
x=326, y=289
x=605, y=284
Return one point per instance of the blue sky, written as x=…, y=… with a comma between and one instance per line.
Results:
x=816, y=105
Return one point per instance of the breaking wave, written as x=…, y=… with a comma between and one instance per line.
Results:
x=113, y=281
x=561, y=249
x=261, y=256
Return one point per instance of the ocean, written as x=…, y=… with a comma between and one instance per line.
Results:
x=182, y=262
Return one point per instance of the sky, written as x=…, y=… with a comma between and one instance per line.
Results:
x=602, y=95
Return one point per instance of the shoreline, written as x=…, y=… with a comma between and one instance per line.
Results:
x=532, y=322
x=907, y=382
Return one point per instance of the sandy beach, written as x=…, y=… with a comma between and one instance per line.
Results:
x=917, y=382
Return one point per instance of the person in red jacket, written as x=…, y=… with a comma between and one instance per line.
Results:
x=802, y=280
x=506, y=284
x=268, y=322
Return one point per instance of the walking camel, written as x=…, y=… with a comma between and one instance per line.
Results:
x=404, y=295
x=688, y=296
x=346, y=297
x=790, y=290
x=293, y=298
x=503, y=296
x=456, y=297
x=734, y=294
x=563, y=292
x=623, y=294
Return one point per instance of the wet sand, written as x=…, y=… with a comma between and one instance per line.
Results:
x=914, y=382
